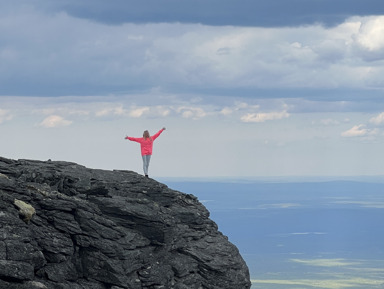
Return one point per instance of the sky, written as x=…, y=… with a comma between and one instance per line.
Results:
x=245, y=88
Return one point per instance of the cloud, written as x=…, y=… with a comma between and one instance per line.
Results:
x=106, y=112
x=325, y=262
x=370, y=34
x=377, y=120
x=366, y=130
x=359, y=131
x=138, y=112
x=53, y=121
x=5, y=115
x=96, y=58
x=85, y=109
x=160, y=111
x=216, y=12
x=120, y=111
x=191, y=112
x=329, y=121
x=364, y=204
x=308, y=233
x=134, y=111
x=334, y=282
x=226, y=111
x=238, y=106
x=279, y=206
x=262, y=117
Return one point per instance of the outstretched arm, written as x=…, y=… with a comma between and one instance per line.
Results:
x=137, y=139
x=158, y=133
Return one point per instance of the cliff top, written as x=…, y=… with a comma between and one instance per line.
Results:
x=66, y=226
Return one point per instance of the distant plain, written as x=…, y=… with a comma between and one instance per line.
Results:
x=300, y=234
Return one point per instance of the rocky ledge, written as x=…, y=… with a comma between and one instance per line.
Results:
x=65, y=226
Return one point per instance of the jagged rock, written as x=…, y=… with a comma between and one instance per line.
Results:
x=65, y=226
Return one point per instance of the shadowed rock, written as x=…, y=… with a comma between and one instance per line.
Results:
x=69, y=227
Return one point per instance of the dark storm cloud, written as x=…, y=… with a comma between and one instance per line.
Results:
x=46, y=51
x=264, y=13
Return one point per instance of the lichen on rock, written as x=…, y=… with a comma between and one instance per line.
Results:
x=25, y=210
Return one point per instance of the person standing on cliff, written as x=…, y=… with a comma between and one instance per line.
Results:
x=146, y=144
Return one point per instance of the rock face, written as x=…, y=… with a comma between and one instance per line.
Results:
x=69, y=227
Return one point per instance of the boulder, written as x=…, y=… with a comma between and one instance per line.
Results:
x=25, y=210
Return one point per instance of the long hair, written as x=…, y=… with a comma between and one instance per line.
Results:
x=146, y=135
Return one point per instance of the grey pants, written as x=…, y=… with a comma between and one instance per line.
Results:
x=146, y=160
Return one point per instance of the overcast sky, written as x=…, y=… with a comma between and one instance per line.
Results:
x=245, y=88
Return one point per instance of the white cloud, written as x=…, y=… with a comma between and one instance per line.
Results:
x=262, y=117
x=292, y=134
x=55, y=121
x=226, y=111
x=108, y=111
x=370, y=34
x=378, y=120
x=325, y=262
x=365, y=204
x=119, y=110
x=162, y=111
x=134, y=111
x=359, y=131
x=104, y=112
x=5, y=115
x=329, y=121
x=279, y=206
x=238, y=106
x=138, y=112
x=191, y=112
x=63, y=106
x=243, y=105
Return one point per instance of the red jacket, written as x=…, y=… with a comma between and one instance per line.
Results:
x=146, y=144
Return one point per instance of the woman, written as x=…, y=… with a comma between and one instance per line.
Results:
x=146, y=144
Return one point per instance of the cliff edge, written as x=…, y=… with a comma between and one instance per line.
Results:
x=65, y=226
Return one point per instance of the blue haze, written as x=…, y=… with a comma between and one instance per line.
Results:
x=284, y=229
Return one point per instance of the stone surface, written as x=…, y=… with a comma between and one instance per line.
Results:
x=65, y=226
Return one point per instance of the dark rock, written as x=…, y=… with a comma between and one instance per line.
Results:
x=64, y=226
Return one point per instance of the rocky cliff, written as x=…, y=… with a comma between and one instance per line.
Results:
x=65, y=226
